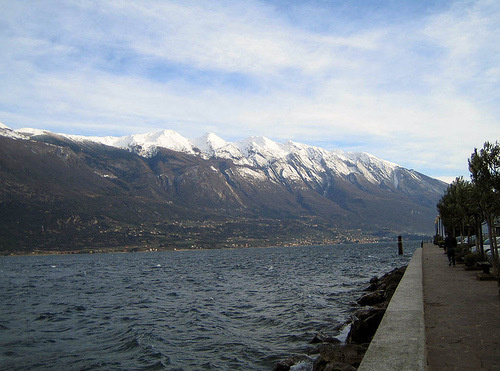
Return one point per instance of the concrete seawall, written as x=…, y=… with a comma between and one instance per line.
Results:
x=399, y=343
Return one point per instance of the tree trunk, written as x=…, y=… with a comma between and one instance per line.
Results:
x=494, y=248
x=493, y=240
x=479, y=239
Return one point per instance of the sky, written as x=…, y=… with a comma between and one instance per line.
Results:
x=415, y=82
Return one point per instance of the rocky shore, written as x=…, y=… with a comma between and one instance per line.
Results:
x=331, y=354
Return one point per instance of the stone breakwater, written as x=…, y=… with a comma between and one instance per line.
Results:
x=332, y=354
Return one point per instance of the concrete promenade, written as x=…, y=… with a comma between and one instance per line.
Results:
x=440, y=318
x=462, y=316
x=399, y=343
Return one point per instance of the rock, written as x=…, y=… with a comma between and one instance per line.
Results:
x=366, y=320
x=339, y=357
x=392, y=277
x=321, y=337
x=373, y=298
x=373, y=284
x=382, y=288
x=389, y=291
x=336, y=366
x=287, y=364
x=334, y=356
x=365, y=325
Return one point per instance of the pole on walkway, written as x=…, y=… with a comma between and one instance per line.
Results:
x=400, y=245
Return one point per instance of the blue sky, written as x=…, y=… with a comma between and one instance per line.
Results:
x=415, y=82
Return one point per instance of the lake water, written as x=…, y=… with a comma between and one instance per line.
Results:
x=242, y=309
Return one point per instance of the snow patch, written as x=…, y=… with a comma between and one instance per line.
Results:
x=32, y=131
x=396, y=180
x=111, y=176
x=247, y=172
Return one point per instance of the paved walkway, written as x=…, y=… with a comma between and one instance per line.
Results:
x=462, y=316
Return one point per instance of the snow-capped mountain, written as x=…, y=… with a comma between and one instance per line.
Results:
x=165, y=175
x=290, y=161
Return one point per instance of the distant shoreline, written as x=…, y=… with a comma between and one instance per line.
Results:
x=141, y=249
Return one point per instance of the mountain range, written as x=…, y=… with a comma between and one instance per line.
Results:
x=162, y=190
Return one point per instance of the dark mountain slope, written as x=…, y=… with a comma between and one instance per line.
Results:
x=60, y=194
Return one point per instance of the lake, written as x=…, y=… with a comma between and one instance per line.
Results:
x=241, y=309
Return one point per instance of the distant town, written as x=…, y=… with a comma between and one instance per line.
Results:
x=195, y=235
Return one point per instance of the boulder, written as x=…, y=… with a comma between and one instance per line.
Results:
x=336, y=366
x=365, y=325
x=321, y=337
x=373, y=298
x=382, y=289
x=339, y=357
x=292, y=361
x=373, y=284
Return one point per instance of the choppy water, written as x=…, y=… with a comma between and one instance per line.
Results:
x=187, y=310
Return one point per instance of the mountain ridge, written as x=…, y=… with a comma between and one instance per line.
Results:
x=154, y=177
x=255, y=150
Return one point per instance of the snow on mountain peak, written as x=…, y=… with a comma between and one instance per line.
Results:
x=262, y=150
x=212, y=145
x=5, y=131
x=291, y=159
x=369, y=158
x=32, y=131
x=145, y=144
x=166, y=139
x=209, y=143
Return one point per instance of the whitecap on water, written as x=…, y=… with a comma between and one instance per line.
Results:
x=344, y=332
x=303, y=365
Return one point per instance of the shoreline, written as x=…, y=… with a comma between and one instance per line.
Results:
x=333, y=353
x=146, y=249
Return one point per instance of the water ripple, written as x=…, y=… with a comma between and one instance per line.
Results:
x=215, y=309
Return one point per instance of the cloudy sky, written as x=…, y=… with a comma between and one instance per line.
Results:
x=416, y=82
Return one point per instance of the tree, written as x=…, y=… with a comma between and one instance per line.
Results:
x=475, y=215
x=484, y=166
x=458, y=207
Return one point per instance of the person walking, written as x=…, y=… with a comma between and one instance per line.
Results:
x=450, y=244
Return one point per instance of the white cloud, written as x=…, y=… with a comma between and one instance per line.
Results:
x=421, y=93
